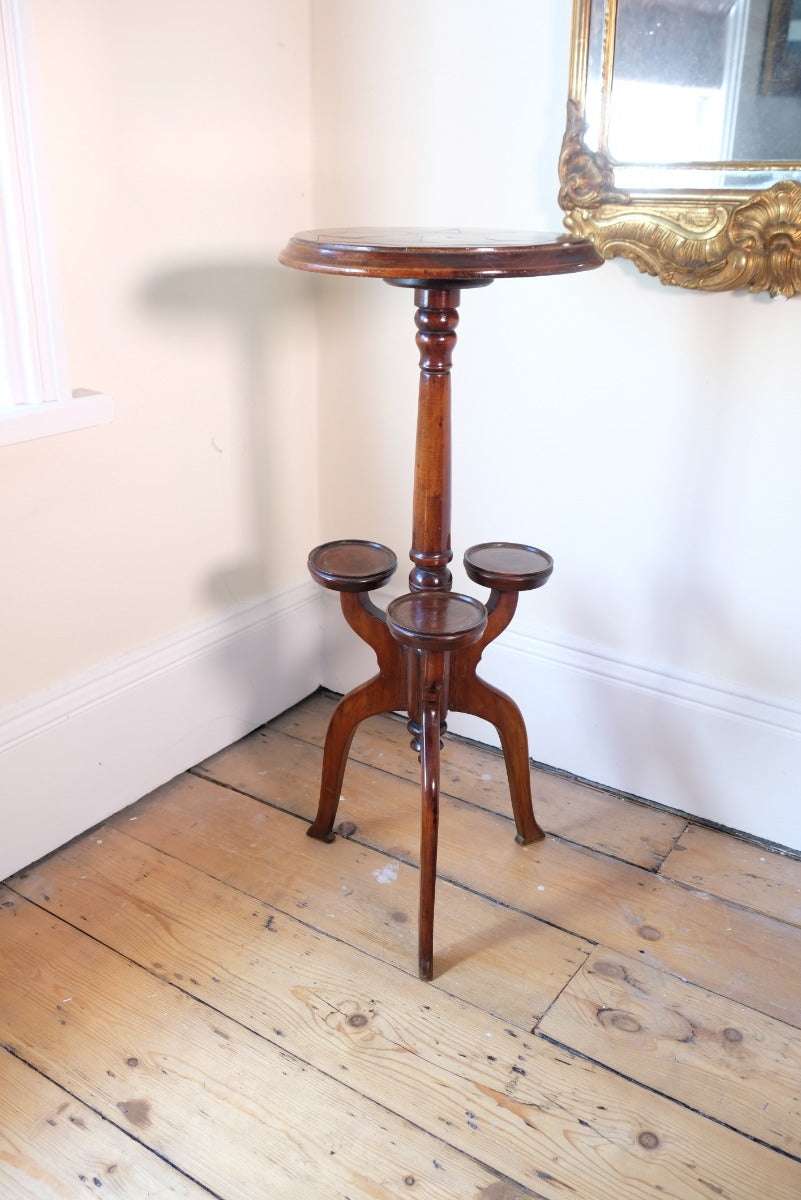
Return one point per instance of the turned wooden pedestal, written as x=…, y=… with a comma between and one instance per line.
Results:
x=429, y=642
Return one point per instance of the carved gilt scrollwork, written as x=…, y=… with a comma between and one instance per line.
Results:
x=709, y=244
x=586, y=176
x=714, y=241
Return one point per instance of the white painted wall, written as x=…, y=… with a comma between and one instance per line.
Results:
x=648, y=437
x=177, y=152
x=150, y=565
x=155, y=601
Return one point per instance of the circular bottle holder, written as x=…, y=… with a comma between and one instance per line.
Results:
x=508, y=566
x=436, y=620
x=351, y=565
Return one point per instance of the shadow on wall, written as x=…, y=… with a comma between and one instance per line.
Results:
x=253, y=300
x=263, y=655
x=367, y=410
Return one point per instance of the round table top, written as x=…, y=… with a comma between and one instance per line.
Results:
x=446, y=254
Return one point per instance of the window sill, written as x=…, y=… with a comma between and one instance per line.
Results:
x=82, y=410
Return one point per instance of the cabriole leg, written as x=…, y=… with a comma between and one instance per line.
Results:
x=431, y=708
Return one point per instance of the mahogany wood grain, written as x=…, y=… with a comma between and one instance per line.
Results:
x=352, y=566
x=429, y=827
x=438, y=264
x=438, y=253
x=432, y=625
x=508, y=566
x=385, y=692
x=436, y=621
x=436, y=321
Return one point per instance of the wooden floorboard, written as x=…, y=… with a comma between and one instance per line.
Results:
x=589, y=816
x=742, y=954
x=53, y=1145
x=736, y=870
x=200, y=1001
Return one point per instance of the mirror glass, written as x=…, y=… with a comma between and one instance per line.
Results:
x=682, y=149
x=694, y=88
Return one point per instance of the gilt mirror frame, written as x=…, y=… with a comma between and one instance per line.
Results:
x=745, y=233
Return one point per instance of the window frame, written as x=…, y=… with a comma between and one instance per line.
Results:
x=35, y=397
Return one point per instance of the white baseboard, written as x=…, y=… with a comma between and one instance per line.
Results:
x=700, y=746
x=71, y=757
